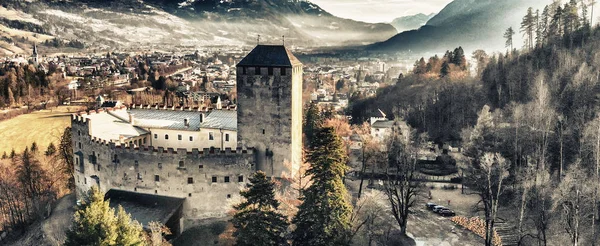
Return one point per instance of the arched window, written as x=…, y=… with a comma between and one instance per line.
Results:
x=166, y=137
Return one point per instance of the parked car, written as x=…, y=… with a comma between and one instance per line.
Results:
x=430, y=205
x=446, y=212
x=437, y=208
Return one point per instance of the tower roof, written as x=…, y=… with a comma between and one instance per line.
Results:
x=270, y=56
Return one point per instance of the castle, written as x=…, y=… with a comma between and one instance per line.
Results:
x=199, y=158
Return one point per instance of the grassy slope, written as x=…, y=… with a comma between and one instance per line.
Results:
x=42, y=127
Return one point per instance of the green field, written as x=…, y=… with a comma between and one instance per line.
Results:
x=42, y=127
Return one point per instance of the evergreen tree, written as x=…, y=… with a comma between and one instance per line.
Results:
x=256, y=219
x=528, y=28
x=95, y=223
x=508, y=35
x=445, y=69
x=324, y=216
x=51, y=150
x=4, y=155
x=420, y=66
x=555, y=30
x=312, y=121
x=12, y=154
x=459, y=58
x=129, y=232
x=34, y=147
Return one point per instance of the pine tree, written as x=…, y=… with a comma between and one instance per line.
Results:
x=51, y=150
x=459, y=58
x=420, y=66
x=445, y=69
x=256, y=219
x=312, y=121
x=95, y=223
x=129, y=233
x=508, y=35
x=4, y=155
x=33, y=147
x=555, y=30
x=324, y=216
x=528, y=28
x=12, y=154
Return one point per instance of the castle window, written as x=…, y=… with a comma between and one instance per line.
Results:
x=211, y=136
x=228, y=196
x=190, y=194
x=98, y=168
x=191, y=138
x=283, y=70
x=226, y=137
x=159, y=165
x=166, y=137
x=84, y=180
x=241, y=178
x=155, y=136
x=263, y=131
x=139, y=176
x=78, y=133
x=181, y=164
x=137, y=164
x=244, y=70
x=226, y=179
x=179, y=137
x=80, y=145
x=270, y=71
x=155, y=191
x=144, y=141
x=200, y=166
x=156, y=178
x=257, y=71
x=190, y=180
x=214, y=179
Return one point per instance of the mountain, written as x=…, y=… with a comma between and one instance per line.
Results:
x=167, y=23
x=411, y=22
x=472, y=24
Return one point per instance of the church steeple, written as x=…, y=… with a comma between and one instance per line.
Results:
x=35, y=54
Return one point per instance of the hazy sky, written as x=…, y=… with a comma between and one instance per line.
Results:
x=380, y=10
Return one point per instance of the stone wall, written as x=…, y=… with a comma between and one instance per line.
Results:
x=168, y=172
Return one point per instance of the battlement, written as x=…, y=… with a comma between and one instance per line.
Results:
x=96, y=142
x=182, y=108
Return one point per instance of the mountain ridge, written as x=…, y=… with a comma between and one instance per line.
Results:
x=116, y=23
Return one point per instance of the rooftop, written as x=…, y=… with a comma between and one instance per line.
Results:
x=270, y=56
x=383, y=124
x=145, y=207
x=175, y=119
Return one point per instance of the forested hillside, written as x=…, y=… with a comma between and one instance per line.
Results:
x=538, y=108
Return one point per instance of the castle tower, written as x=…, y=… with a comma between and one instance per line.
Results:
x=269, y=101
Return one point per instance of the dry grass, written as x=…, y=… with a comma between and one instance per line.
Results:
x=42, y=127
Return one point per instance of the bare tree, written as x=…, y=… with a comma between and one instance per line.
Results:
x=402, y=188
x=572, y=198
x=486, y=178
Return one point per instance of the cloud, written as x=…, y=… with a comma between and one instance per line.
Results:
x=380, y=10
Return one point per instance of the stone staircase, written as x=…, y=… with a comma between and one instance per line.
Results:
x=507, y=232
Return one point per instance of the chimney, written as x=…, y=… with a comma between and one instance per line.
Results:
x=131, y=118
x=201, y=117
x=186, y=122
